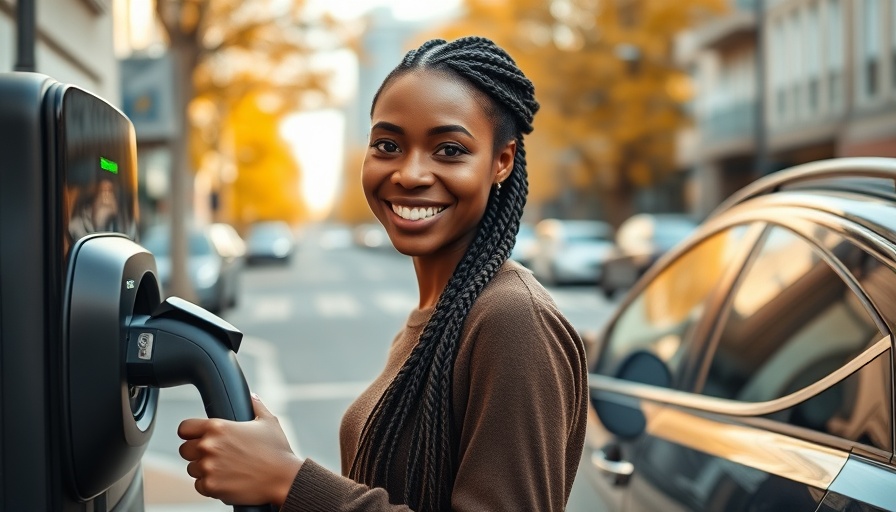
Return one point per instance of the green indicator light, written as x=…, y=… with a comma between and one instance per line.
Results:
x=108, y=165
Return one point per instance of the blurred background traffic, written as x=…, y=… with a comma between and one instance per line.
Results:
x=249, y=111
x=252, y=116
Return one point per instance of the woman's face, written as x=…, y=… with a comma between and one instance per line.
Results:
x=431, y=163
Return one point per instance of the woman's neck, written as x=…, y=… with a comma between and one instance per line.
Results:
x=433, y=274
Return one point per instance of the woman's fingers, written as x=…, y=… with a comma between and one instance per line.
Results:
x=192, y=428
x=189, y=450
x=194, y=469
x=239, y=462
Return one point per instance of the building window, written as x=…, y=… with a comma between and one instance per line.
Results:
x=834, y=51
x=892, y=31
x=871, y=50
x=813, y=56
x=777, y=65
x=795, y=62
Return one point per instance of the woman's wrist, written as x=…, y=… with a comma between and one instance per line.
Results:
x=287, y=475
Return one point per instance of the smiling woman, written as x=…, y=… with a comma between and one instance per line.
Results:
x=482, y=403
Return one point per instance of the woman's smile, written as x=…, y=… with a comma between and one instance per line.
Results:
x=414, y=213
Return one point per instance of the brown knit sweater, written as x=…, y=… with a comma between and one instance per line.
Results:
x=520, y=403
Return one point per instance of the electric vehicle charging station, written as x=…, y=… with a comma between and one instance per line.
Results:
x=85, y=339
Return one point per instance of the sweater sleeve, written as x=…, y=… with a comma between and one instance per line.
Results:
x=316, y=489
x=523, y=428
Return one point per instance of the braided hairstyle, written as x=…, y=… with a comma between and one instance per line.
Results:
x=418, y=401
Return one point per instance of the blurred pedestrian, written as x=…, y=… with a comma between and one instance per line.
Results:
x=482, y=403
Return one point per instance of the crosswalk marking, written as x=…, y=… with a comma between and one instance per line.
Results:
x=319, y=273
x=272, y=308
x=337, y=305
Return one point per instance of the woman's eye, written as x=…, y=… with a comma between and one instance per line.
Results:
x=451, y=151
x=386, y=146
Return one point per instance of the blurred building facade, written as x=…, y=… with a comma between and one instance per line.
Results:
x=824, y=86
x=72, y=43
x=384, y=43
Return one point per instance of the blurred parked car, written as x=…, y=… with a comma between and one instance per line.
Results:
x=215, y=261
x=571, y=251
x=227, y=240
x=640, y=241
x=752, y=367
x=270, y=241
x=526, y=244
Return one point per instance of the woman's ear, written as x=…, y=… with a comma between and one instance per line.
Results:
x=504, y=161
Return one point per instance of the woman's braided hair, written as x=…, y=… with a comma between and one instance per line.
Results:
x=418, y=401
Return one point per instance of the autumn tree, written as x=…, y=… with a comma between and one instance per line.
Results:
x=267, y=184
x=224, y=51
x=611, y=95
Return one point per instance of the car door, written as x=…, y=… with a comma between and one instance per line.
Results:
x=663, y=319
x=793, y=379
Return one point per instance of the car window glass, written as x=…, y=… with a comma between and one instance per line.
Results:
x=661, y=318
x=790, y=321
x=857, y=409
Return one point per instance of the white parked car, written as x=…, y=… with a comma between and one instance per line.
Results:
x=571, y=251
x=270, y=241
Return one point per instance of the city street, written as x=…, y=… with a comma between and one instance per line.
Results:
x=316, y=332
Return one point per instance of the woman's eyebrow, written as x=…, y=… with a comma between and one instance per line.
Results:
x=389, y=127
x=448, y=128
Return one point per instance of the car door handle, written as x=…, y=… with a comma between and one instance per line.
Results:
x=621, y=470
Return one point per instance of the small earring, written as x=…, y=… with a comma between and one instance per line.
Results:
x=498, y=185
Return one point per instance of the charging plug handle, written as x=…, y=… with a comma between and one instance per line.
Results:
x=174, y=347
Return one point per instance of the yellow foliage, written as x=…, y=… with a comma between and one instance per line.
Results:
x=249, y=61
x=267, y=184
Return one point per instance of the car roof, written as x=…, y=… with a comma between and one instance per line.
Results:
x=861, y=189
x=872, y=176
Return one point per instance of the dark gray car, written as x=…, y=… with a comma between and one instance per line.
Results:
x=751, y=368
x=213, y=265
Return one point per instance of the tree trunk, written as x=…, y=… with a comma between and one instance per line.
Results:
x=184, y=60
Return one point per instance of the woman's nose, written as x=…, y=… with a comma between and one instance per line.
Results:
x=413, y=172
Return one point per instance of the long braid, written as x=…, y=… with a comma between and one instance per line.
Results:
x=418, y=400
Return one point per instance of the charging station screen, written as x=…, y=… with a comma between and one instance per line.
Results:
x=98, y=165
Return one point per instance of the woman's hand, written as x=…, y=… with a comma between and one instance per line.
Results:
x=240, y=463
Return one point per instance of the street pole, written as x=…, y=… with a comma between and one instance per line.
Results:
x=762, y=160
x=25, y=21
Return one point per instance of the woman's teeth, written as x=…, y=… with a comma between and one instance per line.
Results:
x=416, y=213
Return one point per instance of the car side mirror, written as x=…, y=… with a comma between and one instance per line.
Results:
x=623, y=417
